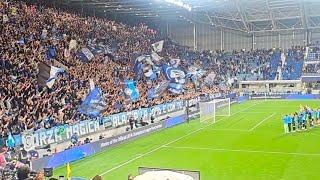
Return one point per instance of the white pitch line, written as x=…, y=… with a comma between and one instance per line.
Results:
x=262, y=121
x=171, y=142
x=242, y=150
x=261, y=112
x=237, y=130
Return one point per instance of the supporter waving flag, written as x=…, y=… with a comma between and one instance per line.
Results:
x=131, y=90
x=93, y=104
x=157, y=47
x=48, y=74
x=176, y=77
x=52, y=53
x=157, y=91
x=88, y=54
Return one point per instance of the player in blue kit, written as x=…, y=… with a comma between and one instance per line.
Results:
x=304, y=119
x=294, y=122
x=318, y=116
x=285, y=124
x=290, y=122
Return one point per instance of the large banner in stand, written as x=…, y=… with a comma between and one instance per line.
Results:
x=144, y=113
x=86, y=150
x=57, y=134
x=40, y=138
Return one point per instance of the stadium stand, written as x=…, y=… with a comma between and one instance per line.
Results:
x=294, y=65
x=92, y=52
x=27, y=43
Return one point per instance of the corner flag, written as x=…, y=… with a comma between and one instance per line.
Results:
x=68, y=172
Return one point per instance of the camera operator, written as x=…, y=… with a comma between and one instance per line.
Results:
x=74, y=139
x=143, y=123
x=152, y=118
x=24, y=157
x=131, y=122
x=87, y=140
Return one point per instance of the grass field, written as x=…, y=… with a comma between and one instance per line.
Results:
x=250, y=144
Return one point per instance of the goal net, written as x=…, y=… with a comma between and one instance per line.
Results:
x=209, y=111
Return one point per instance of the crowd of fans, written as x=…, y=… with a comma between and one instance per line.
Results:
x=28, y=32
x=292, y=68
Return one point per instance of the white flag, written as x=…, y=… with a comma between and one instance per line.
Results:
x=72, y=44
x=157, y=47
x=53, y=74
x=155, y=57
x=5, y=18
x=91, y=84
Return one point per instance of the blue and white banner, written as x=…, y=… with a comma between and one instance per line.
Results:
x=176, y=78
x=174, y=74
x=54, y=71
x=176, y=88
x=157, y=91
x=175, y=62
x=131, y=90
x=145, y=65
x=87, y=53
x=139, y=65
x=96, y=50
x=47, y=74
x=195, y=74
x=94, y=103
x=57, y=134
x=145, y=113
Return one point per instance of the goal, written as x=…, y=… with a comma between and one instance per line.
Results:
x=209, y=111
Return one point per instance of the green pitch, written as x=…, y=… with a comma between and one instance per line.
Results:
x=250, y=144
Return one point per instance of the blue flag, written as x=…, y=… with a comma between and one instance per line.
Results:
x=131, y=90
x=94, y=103
x=52, y=53
x=157, y=91
x=176, y=88
x=176, y=78
x=10, y=142
x=173, y=74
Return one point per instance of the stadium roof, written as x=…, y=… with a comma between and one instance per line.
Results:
x=241, y=15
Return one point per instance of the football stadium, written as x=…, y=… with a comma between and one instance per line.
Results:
x=159, y=89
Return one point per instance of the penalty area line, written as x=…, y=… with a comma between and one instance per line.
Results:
x=254, y=127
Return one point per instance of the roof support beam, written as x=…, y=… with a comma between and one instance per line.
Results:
x=220, y=24
x=271, y=16
x=243, y=15
x=304, y=18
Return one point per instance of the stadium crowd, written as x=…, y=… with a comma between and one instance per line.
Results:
x=29, y=32
x=31, y=35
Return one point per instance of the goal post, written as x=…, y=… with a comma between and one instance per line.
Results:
x=210, y=110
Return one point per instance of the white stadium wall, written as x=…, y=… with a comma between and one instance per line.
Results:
x=236, y=40
x=183, y=33
x=205, y=37
x=284, y=39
